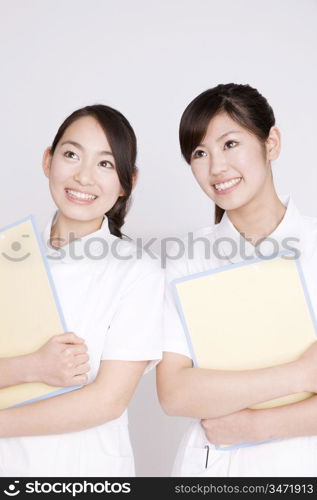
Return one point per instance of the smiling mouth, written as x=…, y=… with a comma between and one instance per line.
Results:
x=224, y=186
x=80, y=196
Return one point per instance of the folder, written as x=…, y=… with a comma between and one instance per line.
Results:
x=30, y=312
x=250, y=315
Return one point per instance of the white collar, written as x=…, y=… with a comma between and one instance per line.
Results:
x=229, y=237
x=77, y=247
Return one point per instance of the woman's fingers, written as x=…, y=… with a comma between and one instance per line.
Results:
x=69, y=337
x=80, y=359
x=80, y=379
x=73, y=350
x=81, y=369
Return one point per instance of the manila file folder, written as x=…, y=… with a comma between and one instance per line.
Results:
x=30, y=312
x=247, y=316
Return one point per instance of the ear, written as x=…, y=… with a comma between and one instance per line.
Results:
x=273, y=144
x=135, y=176
x=46, y=161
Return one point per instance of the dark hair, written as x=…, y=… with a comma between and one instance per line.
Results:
x=243, y=103
x=123, y=144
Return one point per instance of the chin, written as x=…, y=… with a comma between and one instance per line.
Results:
x=76, y=213
x=237, y=206
x=230, y=206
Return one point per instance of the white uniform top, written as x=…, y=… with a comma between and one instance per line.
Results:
x=116, y=306
x=287, y=457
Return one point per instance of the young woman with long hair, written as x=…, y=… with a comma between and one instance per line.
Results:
x=229, y=138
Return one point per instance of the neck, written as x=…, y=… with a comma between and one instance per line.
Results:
x=66, y=230
x=258, y=218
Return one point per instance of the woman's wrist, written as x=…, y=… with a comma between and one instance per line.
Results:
x=27, y=367
x=4, y=423
x=265, y=428
x=265, y=422
x=291, y=377
x=300, y=376
x=270, y=424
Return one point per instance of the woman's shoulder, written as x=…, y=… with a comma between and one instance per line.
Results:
x=308, y=228
x=310, y=222
x=206, y=231
x=308, y=231
x=187, y=254
x=133, y=257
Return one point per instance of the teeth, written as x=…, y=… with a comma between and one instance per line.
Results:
x=226, y=185
x=81, y=196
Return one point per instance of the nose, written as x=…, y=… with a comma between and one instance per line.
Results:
x=84, y=175
x=217, y=164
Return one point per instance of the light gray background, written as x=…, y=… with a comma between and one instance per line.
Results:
x=149, y=59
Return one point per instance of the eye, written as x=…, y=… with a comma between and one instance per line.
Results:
x=199, y=153
x=230, y=144
x=106, y=164
x=70, y=154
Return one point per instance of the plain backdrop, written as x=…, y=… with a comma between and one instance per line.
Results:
x=149, y=59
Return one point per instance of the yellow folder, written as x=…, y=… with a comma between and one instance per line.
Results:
x=30, y=312
x=246, y=316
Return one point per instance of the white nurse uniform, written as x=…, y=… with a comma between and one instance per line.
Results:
x=287, y=457
x=113, y=299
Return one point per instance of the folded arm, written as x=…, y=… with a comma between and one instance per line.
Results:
x=103, y=400
x=204, y=393
x=298, y=419
x=295, y=420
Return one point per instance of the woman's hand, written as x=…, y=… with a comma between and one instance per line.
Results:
x=61, y=362
x=236, y=428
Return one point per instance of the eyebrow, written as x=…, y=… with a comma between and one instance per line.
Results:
x=79, y=146
x=223, y=135
x=227, y=133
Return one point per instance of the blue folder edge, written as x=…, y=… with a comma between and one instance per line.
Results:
x=219, y=270
x=57, y=303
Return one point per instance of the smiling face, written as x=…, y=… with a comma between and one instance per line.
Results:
x=82, y=173
x=232, y=165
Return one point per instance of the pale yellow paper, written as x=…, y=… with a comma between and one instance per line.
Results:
x=28, y=311
x=248, y=317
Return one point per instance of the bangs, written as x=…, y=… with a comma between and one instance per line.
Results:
x=242, y=103
x=195, y=121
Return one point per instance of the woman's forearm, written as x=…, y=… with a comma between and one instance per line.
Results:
x=202, y=393
x=298, y=419
x=16, y=370
x=73, y=411
x=104, y=399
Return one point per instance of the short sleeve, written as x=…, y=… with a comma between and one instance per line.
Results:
x=174, y=337
x=135, y=332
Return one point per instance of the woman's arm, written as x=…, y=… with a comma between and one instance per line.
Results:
x=298, y=419
x=103, y=400
x=17, y=370
x=203, y=393
x=61, y=361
